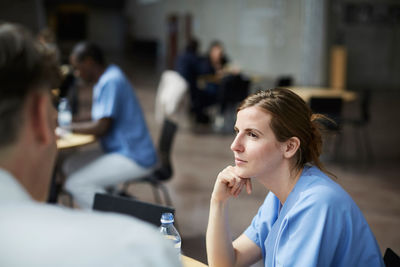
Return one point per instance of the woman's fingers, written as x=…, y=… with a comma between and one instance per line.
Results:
x=239, y=189
x=249, y=187
x=230, y=184
x=234, y=188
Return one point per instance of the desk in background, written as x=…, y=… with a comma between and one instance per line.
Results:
x=307, y=92
x=72, y=140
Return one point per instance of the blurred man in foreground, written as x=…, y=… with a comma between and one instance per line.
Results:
x=33, y=233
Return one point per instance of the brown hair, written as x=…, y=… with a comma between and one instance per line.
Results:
x=291, y=116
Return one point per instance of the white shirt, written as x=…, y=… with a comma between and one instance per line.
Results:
x=36, y=234
x=171, y=94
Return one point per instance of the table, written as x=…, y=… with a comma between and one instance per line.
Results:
x=73, y=140
x=67, y=141
x=189, y=262
x=307, y=92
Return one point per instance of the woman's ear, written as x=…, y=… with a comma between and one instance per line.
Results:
x=291, y=146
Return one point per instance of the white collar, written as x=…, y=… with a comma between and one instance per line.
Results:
x=11, y=190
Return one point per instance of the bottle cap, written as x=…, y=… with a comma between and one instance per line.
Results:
x=167, y=217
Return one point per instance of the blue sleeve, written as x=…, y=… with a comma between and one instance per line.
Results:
x=262, y=223
x=105, y=103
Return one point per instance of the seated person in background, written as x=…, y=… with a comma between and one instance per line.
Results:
x=224, y=85
x=67, y=88
x=211, y=71
x=47, y=37
x=186, y=65
x=127, y=151
x=306, y=219
x=38, y=234
x=215, y=61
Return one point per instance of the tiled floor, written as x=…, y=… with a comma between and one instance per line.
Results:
x=198, y=158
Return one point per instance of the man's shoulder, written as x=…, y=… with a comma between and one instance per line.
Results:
x=58, y=214
x=100, y=235
x=60, y=221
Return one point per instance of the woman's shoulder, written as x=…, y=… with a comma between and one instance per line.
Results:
x=317, y=189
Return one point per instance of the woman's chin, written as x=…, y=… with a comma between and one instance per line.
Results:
x=243, y=172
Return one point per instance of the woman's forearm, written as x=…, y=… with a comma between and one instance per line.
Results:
x=220, y=251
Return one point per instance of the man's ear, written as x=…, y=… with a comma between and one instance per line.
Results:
x=291, y=146
x=39, y=116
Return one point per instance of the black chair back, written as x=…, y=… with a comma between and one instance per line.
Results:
x=145, y=211
x=391, y=259
x=284, y=81
x=165, y=171
x=167, y=137
x=233, y=89
x=365, y=105
x=330, y=107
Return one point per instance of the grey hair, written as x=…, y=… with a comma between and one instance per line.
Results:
x=25, y=66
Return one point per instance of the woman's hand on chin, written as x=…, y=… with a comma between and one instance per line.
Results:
x=229, y=184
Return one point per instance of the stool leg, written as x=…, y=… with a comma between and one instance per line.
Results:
x=368, y=148
x=358, y=142
x=166, y=195
x=337, y=147
x=156, y=193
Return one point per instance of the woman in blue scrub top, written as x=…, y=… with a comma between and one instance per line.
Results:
x=306, y=219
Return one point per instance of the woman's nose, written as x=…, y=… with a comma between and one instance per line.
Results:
x=237, y=144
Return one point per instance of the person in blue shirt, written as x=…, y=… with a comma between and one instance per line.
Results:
x=306, y=219
x=127, y=151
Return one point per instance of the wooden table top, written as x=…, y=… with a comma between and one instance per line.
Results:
x=189, y=262
x=307, y=92
x=71, y=140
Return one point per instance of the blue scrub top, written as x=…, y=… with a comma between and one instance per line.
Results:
x=114, y=97
x=318, y=225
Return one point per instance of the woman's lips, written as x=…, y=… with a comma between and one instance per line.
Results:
x=239, y=161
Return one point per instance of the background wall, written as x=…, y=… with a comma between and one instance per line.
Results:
x=371, y=32
x=11, y=10
x=263, y=37
x=275, y=37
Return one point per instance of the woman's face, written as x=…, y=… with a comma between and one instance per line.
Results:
x=257, y=152
x=216, y=53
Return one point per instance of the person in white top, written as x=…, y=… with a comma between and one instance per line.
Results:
x=33, y=233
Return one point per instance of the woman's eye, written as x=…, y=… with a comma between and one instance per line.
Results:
x=251, y=134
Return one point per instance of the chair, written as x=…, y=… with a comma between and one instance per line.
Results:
x=164, y=171
x=284, y=81
x=391, y=259
x=171, y=95
x=233, y=89
x=148, y=212
x=361, y=136
x=332, y=108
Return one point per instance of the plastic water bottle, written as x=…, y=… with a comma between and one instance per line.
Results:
x=64, y=113
x=169, y=231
